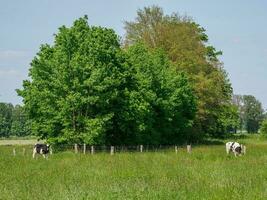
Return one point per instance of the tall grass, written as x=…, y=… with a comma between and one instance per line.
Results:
x=206, y=173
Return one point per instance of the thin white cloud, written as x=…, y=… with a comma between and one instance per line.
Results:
x=13, y=54
x=236, y=40
x=9, y=73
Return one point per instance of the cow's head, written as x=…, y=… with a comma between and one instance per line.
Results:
x=238, y=149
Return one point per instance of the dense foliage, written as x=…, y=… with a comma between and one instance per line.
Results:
x=185, y=43
x=13, y=121
x=85, y=88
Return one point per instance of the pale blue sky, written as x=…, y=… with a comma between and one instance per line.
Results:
x=238, y=28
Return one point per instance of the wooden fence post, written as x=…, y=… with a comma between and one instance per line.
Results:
x=141, y=148
x=244, y=148
x=189, y=148
x=76, y=148
x=84, y=148
x=50, y=150
x=176, y=149
x=92, y=150
x=23, y=151
x=14, y=152
x=112, y=150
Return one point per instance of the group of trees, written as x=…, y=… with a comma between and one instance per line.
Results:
x=13, y=121
x=87, y=88
x=250, y=112
x=161, y=84
x=185, y=43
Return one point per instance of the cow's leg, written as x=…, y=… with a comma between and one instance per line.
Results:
x=227, y=149
x=235, y=154
x=42, y=153
x=33, y=153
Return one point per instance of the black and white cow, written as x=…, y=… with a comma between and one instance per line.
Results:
x=42, y=149
x=234, y=147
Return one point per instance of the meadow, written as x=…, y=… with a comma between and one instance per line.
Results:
x=206, y=173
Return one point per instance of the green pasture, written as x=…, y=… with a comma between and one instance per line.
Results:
x=206, y=173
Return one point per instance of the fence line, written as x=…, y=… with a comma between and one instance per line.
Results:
x=17, y=150
x=93, y=149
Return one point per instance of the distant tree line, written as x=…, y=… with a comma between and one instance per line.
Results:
x=250, y=113
x=161, y=84
x=13, y=121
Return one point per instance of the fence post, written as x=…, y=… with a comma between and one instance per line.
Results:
x=244, y=149
x=23, y=151
x=141, y=148
x=50, y=150
x=189, y=148
x=84, y=148
x=176, y=149
x=14, y=152
x=112, y=150
x=92, y=150
x=76, y=148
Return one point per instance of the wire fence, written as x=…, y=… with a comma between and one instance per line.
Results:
x=94, y=149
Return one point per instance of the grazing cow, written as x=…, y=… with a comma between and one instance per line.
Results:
x=235, y=147
x=42, y=149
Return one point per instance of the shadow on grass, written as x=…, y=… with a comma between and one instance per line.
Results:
x=220, y=141
x=212, y=142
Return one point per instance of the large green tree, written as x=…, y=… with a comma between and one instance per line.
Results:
x=75, y=84
x=161, y=102
x=185, y=43
x=85, y=88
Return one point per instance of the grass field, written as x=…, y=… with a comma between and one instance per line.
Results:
x=207, y=173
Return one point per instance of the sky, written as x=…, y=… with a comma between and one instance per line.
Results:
x=238, y=28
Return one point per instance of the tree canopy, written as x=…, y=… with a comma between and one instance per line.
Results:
x=86, y=88
x=185, y=43
x=164, y=84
